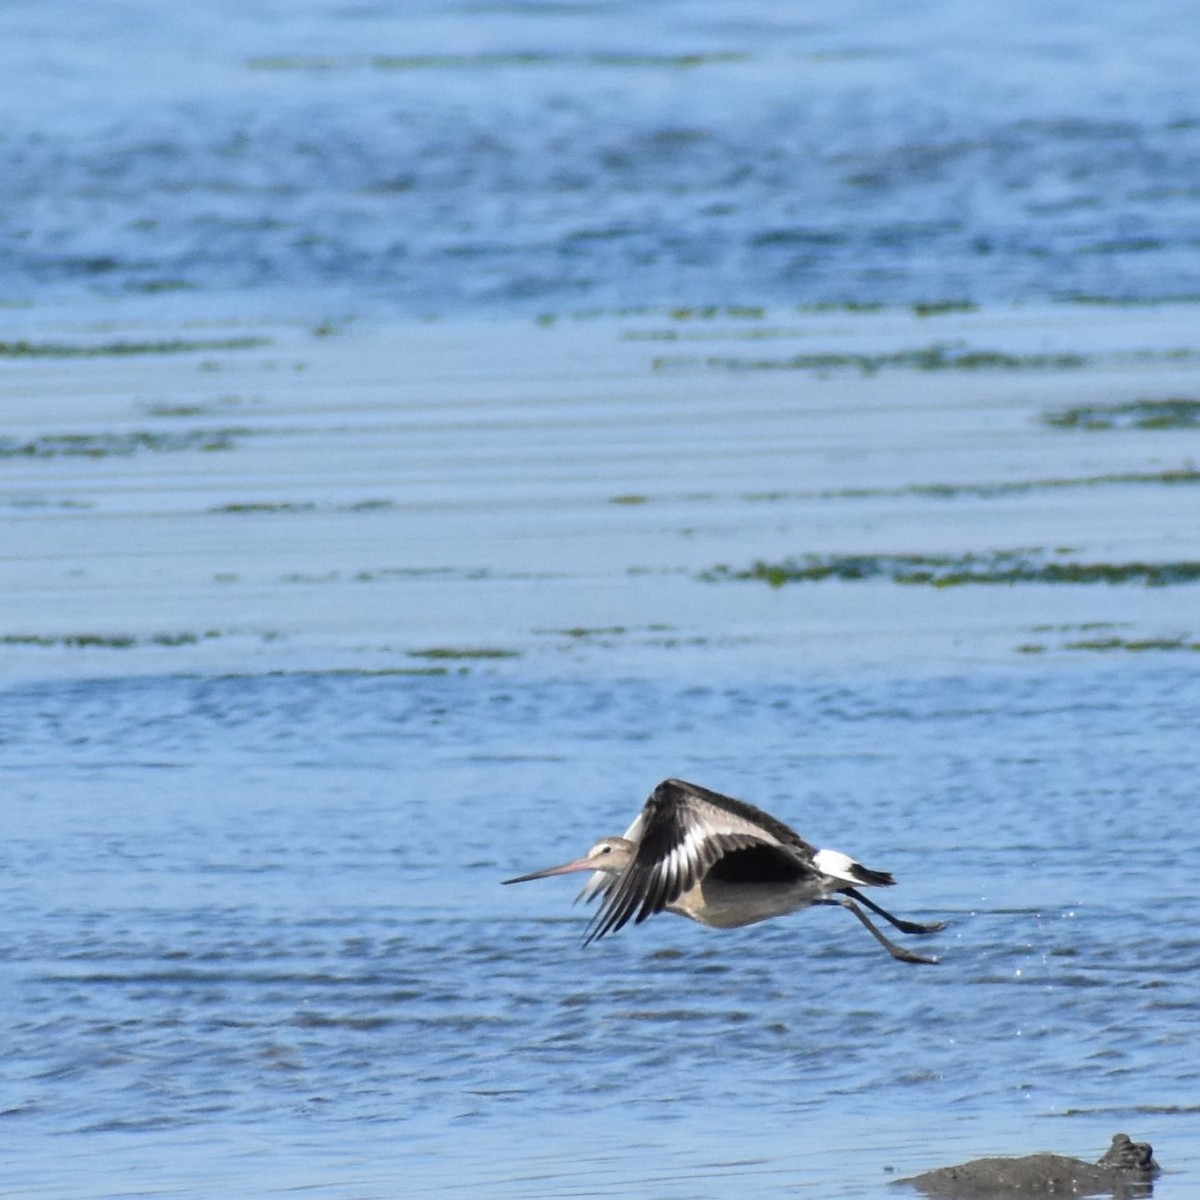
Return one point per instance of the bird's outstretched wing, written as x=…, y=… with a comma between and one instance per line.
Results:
x=680, y=833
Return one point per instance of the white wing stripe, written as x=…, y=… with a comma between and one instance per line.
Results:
x=701, y=832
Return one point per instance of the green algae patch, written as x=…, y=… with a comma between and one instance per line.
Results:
x=988, y=490
x=1101, y=300
x=587, y=631
x=922, y=358
x=940, y=308
x=106, y=641
x=460, y=653
x=265, y=506
x=219, y=405
x=259, y=507
x=944, y=571
x=1175, y=412
x=485, y=61
x=177, y=410
x=580, y=632
x=1113, y=644
x=119, y=445
x=947, y=491
x=1182, y=476
x=843, y=306
x=713, y=312
x=155, y=287
x=123, y=349
x=1133, y=645
x=372, y=504
x=1170, y=477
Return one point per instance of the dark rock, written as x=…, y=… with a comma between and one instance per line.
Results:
x=1127, y=1155
x=1125, y=1171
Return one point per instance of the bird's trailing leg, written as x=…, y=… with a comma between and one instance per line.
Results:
x=903, y=926
x=897, y=952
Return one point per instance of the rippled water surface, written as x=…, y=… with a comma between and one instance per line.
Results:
x=260, y=920
x=812, y=411
x=438, y=155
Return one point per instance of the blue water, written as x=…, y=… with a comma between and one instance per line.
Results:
x=254, y=940
x=261, y=918
x=438, y=157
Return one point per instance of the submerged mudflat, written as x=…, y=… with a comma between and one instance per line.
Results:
x=310, y=642
x=436, y=496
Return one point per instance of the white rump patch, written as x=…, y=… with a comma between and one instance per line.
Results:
x=837, y=865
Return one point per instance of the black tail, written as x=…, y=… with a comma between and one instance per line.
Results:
x=872, y=878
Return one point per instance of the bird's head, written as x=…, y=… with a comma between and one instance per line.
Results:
x=610, y=855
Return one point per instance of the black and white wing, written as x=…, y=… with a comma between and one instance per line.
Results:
x=682, y=831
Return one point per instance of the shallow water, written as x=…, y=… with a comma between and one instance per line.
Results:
x=278, y=716
x=317, y=623
x=261, y=917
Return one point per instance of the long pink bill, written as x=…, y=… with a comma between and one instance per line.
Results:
x=578, y=864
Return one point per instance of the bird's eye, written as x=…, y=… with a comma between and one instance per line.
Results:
x=605, y=849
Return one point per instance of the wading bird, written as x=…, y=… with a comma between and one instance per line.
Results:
x=724, y=863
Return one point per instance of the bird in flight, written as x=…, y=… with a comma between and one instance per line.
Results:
x=724, y=863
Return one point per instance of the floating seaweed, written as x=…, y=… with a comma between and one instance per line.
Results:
x=119, y=445
x=26, y=349
x=1175, y=412
x=954, y=570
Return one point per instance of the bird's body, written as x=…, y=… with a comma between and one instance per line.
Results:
x=721, y=862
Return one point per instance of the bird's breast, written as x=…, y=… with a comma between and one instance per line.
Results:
x=723, y=905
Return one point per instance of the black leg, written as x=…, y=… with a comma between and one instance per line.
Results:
x=897, y=952
x=903, y=926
